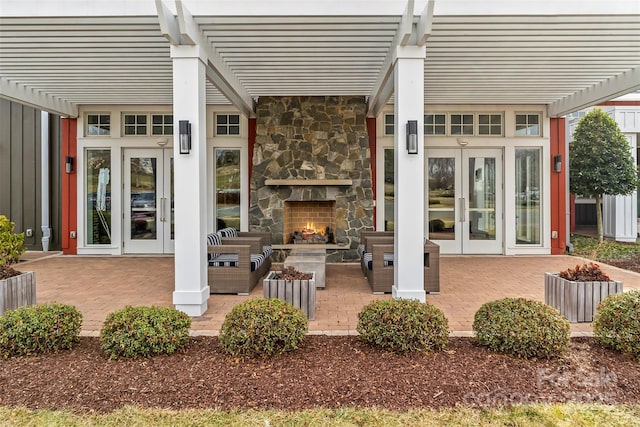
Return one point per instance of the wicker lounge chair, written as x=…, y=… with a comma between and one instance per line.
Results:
x=237, y=260
x=377, y=263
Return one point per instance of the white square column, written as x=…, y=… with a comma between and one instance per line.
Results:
x=191, y=292
x=408, y=280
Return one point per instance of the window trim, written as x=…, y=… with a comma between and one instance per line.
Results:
x=228, y=114
x=385, y=124
x=432, y=126
x=86, y=125
x=163, y=125
x=123, y=125
x=527, y=113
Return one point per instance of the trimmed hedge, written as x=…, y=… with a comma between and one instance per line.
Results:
x=263, y=327
x=403, y=326
x=39, y=329
x=144, y=332
x=617, y=322
x=522, y=327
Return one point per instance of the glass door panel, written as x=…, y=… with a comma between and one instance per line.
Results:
x=464, y=203
x=444, y=199
x=145, y=202
x=389, y=189
x=227, y=187
x=482, y=195
x=482, y=178
x=527, y=196
x=143, y=187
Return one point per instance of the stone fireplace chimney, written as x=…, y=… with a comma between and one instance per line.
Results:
x=312, y=149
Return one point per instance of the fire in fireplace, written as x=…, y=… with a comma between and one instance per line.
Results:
x=309, y=222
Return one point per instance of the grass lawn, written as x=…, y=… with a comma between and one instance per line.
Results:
x=522, y=416
x=589, y=247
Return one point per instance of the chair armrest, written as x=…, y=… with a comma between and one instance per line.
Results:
x=377, y=254
x=371, y=233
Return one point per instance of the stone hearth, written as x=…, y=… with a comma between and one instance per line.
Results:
x=313, y=138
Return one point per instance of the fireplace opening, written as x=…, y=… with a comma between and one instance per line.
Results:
x=309, y=222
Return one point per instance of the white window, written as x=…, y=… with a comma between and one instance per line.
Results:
x=528, y=124
x=227, y=124
x=490, y=124
x=98, y=124
x=161, y=124
x=435, y=124
x=135, y=124
x=389, y=124
x=461, y=124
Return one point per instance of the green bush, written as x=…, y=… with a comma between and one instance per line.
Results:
x=11, y=248
x=144, y=331
x=39, y=329
x=403, y=325
x=522, y=327
x=617, y=322
x=263, y=327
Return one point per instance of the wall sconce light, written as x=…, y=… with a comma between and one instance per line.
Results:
x=412, y=137
x=68, y=164
x=557, y=163
x=185, y=136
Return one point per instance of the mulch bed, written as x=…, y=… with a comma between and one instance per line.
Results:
x=330, y=372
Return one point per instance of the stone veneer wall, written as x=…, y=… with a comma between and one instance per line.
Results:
x=322, y=137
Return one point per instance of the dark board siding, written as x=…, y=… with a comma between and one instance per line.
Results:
x=20, y=171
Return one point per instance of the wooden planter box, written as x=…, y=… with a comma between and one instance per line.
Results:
x=17, y=291
x=299, y=293
x=577, y=301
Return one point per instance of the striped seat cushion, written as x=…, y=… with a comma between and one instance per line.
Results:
x=367, y=258
x=213, y=239
x=231, y=260
x=267, y=251
x=228, y=232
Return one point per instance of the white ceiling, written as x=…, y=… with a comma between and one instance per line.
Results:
x=59, y=55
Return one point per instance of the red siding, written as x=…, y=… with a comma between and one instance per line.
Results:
x=69, y=187
x=371, y=131
x=558, y=187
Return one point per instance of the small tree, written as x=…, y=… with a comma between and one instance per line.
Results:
x=11, y=247
x=600, y=161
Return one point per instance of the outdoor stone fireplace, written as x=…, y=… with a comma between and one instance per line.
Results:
x=309, y=222
x=313, y=150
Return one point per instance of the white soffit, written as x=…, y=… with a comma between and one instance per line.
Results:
x=61, y=54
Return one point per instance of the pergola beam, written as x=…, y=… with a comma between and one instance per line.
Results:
x=425, y=23
x=381, y=91
x=217, y=72
x=621, y=84
x=169, y=27
x=36, y=99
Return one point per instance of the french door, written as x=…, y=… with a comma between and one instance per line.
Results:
x=148, y=201
x=465, y=200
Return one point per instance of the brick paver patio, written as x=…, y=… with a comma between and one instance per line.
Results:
x=100, y=285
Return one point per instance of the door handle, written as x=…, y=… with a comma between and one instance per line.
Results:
x=462, y=210
x=162, y=199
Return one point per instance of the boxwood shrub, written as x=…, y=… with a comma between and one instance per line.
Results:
x=617, y=322
x=144, y=332
x=39, y=329
x=263, y=327
x=522, y=327
x=403, y=325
